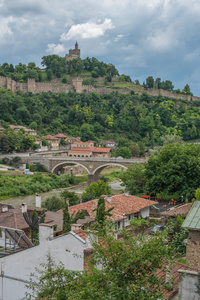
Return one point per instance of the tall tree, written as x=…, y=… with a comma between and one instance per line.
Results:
x=66, y=219
x=101, y=214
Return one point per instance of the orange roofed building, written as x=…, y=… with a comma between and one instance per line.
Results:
x=126, y=207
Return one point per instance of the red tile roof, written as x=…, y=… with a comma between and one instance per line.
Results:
x=101, y=150
x=175, y=278
x=60, y=135
x=14, y=218
x=50, y=137
x=123, y=205
x=80, y=233
x=180, y=210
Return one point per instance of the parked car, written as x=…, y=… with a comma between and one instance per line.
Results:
x=157, y=228
x=38, y=150
x=10, y=169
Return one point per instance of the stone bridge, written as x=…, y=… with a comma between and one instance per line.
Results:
x=93, y=166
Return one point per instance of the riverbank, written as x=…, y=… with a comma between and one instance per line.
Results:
x=116, y=188
x=16, y=184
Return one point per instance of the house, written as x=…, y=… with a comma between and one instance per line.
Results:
x=27, y=130
x=101, y=152
x=18, y=263
x=189, y=274
x=91, y=151
x=2, y=129
x=60, y=136
x=83, y=144
x=13, y=217
x=73, y=139
x=53, y=142
x=80, y=152
x=126, y=207
x=192, y=223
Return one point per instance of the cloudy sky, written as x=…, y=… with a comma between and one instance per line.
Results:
x=159, y=38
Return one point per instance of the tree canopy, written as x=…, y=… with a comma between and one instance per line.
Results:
x=175, y=170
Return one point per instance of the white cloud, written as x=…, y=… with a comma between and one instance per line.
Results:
x=5, y=30
x=87, y=30
x=55, y=49
x=118, y=37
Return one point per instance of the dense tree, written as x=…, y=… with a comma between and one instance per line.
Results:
x=150, y=82
x=5, y=145
x=95, y=190
x=54, y=203
x=134, y=179
x=176, y=169
x=71, y=196
x=187, y=90
x=135, y=150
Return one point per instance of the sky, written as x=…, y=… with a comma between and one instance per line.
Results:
x=159, y=38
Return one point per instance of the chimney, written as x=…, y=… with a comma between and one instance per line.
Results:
x=4, y=208
x=75, y=227
x=126, y=193
x=24, y=207
x=45, y=233
x=38, y=200
x=109, y=198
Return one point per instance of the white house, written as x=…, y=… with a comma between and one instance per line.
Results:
x=16, y=267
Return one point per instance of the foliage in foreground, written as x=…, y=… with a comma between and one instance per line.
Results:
x=128, y=272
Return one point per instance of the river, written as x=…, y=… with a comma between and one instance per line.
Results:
x=78, y=189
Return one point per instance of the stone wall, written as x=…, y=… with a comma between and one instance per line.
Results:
x=193, y=249
x=78, y=87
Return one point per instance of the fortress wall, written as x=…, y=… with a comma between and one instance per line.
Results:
x=57, y=87
x=46, y=87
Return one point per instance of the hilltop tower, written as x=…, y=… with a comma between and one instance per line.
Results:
x=73, y=53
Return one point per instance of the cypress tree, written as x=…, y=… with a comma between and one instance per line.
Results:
x=66, y=219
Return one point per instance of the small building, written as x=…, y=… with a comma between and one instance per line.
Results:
x=110, y=144
x=192, y=223
x=80, y=152
x=126, y=207
x=53, y=142
x=83, y=144
x=101, y=152
x=27, y=130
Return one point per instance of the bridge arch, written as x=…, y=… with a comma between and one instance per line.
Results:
x=95, y=176
x=62, y=164
x=98, y=170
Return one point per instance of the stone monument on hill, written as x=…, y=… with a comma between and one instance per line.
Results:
x=73, y=53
